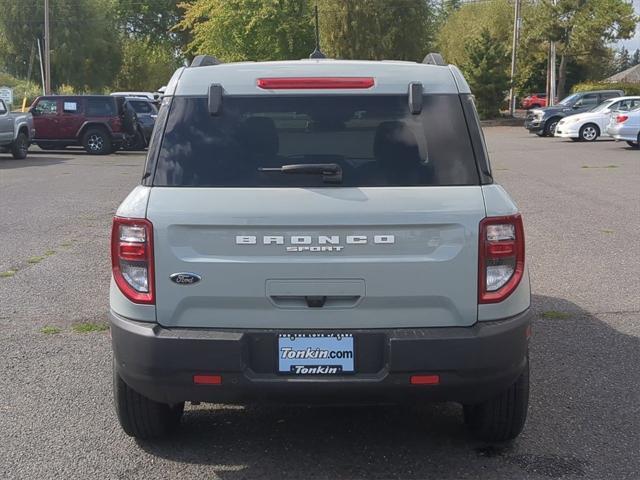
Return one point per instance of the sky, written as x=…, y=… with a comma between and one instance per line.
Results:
x=634, y=42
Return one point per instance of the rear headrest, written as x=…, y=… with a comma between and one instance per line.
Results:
x=261, y=136
x=394, y=142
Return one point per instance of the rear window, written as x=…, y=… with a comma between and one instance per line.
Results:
x=373, y=138
x=101, y=107
x=141, y=107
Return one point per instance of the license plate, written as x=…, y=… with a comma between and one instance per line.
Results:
x=315, y=353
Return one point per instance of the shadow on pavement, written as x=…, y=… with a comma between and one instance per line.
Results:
x=585, y=390
x=9, y=163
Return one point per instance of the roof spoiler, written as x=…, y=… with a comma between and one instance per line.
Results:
x=204, y=61
x=434, y=59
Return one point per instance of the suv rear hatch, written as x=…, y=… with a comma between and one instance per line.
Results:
x=393, y=243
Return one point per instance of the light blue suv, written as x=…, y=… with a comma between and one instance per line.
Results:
x=319, y=231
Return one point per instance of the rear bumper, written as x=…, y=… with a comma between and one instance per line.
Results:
x=474, y=363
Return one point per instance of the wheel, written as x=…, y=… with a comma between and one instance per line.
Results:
x=550, y=127
x=96, y=141
x=502, y=417
x=140, y=416
x=134, y=142
x=540, y=134
x=20, y=146
x=589, y=132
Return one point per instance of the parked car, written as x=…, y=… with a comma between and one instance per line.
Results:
x=535, y=100
x=92, y=121
x=314, y=232
x=588, y=126
x=16, y=131
x=144, y=113
x=543, y=121
x=626, y=126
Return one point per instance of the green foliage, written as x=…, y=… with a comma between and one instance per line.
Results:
x=85, y=49
x=627, y=88
x=145, y=66
x=236, y=30
x=21, y=89
x=377, y=29
x=90, y=327
x=485, y=71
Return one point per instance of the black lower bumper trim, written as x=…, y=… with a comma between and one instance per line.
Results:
x=473, y=363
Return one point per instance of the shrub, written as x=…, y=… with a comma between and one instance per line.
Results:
x=628, y=88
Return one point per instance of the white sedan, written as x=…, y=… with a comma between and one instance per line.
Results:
x=588, y=126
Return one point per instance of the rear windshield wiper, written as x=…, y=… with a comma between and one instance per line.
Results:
x=331, y=172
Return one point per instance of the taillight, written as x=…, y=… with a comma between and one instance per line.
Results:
x=501, y=257
x=132, y=258
x=621, y=118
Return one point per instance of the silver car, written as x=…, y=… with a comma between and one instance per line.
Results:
x=313, y=232
x=16, y=132
x=625, y=126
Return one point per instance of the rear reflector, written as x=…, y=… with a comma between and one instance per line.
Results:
x=311, y=83
x=207, y=379
x=425, y=379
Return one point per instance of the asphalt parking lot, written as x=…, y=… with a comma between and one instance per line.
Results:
x=581, y=204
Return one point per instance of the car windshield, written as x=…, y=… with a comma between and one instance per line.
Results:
x=373, y=139
x=570, y=100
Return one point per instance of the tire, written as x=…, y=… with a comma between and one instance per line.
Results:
x=141, y=417
x=96, y=141
x=501, y=418
x=20, y=146
x=589, y=132
x=134, y=142
x=550, y=127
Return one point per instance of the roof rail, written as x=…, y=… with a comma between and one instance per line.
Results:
x=204, y=61
x=434, y=59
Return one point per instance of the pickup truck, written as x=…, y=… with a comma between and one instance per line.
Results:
x=16, y=132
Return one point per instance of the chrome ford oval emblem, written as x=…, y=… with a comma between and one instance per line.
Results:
x=185, y=278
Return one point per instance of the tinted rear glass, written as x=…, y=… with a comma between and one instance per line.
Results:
x=141, y=107
x=101, y=107
x=374, y=139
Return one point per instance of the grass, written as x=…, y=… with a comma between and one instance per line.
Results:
x=48, y=253
x=89, y=327
x=66, y=244
x=605, y=166
x=49, y=330
x=555, y=315
x=8, y=273
x=606, y=230
x=36, y=259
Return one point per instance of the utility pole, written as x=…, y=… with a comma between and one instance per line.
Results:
x=551, y=97
x=47, y=50
x=514, y=57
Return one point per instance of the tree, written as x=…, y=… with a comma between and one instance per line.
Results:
x=486, y=72
x=235, y=30
x=635, y=60
x=582, y=29
x=85, y=47
x=153, y=22
x=623, y=59
x=145, y=66
x=377, y=29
